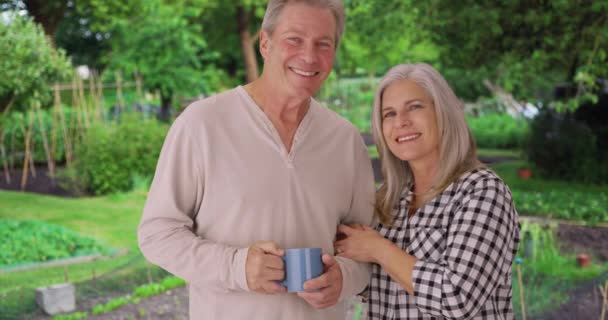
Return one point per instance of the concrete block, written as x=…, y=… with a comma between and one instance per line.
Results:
x=55, y=299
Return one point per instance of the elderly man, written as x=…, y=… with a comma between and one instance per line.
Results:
x=258, y=169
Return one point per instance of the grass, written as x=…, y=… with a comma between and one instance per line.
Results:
x=511, y=153
x=111, y=219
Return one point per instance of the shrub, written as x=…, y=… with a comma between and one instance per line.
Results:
x=36, y=241
x=562, y=147
x=29, y=64
x=111, y=156
x=499, y=131
x=15, y=123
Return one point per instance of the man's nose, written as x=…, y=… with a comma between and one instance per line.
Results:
x=309, y=53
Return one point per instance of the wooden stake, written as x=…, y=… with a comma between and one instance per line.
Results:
x=26, y=158
x=521, y=289
x=7, y=173
x=604, y=292
x=66, y=278
x=119, y=96
x=67, y=141
x=49, y=159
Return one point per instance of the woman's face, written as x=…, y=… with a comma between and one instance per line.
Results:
x=409, y=122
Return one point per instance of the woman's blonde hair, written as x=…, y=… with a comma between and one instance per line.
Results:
x=457, y=150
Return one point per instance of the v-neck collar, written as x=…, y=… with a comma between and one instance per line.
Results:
x=301, y=131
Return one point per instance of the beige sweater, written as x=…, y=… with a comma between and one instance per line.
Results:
x=224, y=181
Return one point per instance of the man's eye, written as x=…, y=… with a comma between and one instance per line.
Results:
x=293, y=40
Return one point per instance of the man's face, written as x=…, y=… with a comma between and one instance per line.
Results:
x=299, y=55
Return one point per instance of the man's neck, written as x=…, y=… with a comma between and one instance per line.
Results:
x=278, y=107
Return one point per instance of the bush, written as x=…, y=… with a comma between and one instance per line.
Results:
x=15, y=123
x=29, y=64
x=111, y=156
x=499, y=131
x=562, y=147
x=36, y=241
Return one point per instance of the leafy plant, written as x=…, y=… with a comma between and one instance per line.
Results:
x=35, y=241
x=498, y=131
x=112, y=155
x=29, y=64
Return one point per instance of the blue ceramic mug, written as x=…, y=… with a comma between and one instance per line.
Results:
x=301, y=265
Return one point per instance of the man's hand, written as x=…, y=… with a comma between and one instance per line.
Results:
x=264, y=267
x=328, y=286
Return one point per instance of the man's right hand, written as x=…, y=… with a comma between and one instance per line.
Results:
x=264, y=268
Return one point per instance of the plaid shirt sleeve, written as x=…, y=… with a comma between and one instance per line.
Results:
x=477, y=256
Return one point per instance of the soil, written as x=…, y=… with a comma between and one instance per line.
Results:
x=584, y=303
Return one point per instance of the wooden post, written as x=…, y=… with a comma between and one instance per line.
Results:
x=66, y=278
x=67, y=141
x=83, y=102
x=604, y=292
x=521, y=289
x=50, y=161
x=119, y=96
x=100, y=96
x=27, y=157
x=93, y=97
x=7, y=174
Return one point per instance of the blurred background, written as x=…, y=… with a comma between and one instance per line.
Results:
x=89, y=88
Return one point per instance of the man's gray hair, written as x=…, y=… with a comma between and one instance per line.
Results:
x=275, y=7
x=457, y=150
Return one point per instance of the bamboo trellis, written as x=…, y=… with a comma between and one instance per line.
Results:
x=88, y=110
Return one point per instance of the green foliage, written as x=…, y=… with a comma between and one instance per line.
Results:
x=564, y=148
x=111, y=305
x=498, y=131
x=112, y=155
x=547, y=274
x=569, y=205
x=29, y=64
x=560, y=199
x=35, y=241
x=72, y=316
x=153, y=289
x=166, y=49
x=371, y=45
x=525, y=47
x=15, y=123
x=350, y=98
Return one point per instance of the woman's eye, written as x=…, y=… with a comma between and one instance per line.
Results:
x=388, y=114
x=415, y=106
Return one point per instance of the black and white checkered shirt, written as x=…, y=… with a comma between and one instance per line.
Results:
x=465, y=240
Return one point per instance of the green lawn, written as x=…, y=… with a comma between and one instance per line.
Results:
x=111, y=219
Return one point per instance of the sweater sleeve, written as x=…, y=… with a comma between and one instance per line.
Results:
x=356, y=275
x=166, y=234
x=478, y=255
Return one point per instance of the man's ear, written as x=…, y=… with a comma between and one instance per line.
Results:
x=264, y=44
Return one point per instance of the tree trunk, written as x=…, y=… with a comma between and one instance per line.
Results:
x=247, y=44
x=165, y=107
x=47, y=13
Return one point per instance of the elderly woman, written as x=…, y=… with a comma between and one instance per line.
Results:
x=447, y=231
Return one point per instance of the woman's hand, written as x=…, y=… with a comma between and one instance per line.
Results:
x=360, y=243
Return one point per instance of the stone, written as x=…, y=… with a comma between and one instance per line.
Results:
x=58, y=298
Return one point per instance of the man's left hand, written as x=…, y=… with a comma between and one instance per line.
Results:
x=324, y=291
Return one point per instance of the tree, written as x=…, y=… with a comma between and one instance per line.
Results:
x=372, y=44
x=29, y=64
x=241, y=21
x=166, y=50
x=524, y=46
